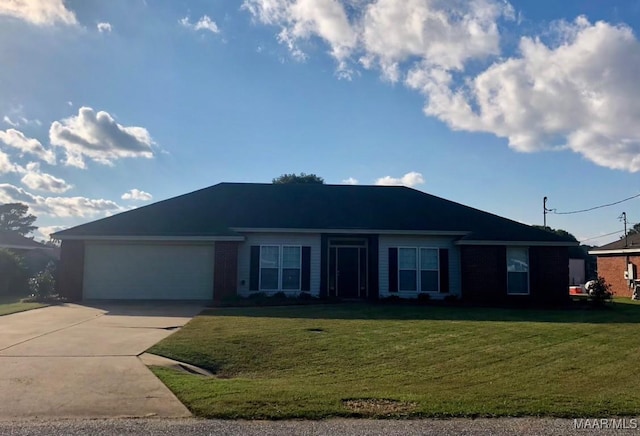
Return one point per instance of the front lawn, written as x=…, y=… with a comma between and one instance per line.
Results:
x=13, y=304
x=377, y=360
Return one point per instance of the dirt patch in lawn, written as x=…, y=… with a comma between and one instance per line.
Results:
x=379, y=407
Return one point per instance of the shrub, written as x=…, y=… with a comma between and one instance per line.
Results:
x=305, y=296
x=599, y=291
x=14, y=278
x=43, y=285
x=279, y=296
x=423, y=298
x=392, y=299
x=451, y=299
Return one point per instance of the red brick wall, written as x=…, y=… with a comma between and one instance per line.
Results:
x=549, y=273
x=612, y=268
x=225, y=272
x=484, y=272
x=71, y=270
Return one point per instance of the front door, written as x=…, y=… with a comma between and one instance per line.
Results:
x=347, y=272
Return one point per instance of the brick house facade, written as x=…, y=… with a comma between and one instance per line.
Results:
x=614, y=260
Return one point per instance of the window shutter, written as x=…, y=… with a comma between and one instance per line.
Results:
x=305, y=284
x=254, y=274
x=393, y=269
x=444, y=270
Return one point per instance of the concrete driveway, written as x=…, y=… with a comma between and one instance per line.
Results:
x=82, y=360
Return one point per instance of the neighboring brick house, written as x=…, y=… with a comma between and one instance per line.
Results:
x=619, y=264
x=352, y=242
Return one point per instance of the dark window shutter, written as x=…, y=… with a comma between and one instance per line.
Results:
x=306, y=269
x=254, y=275
x=393, y=269
x=444, y=270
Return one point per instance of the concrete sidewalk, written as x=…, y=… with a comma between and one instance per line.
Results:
x=82, y=361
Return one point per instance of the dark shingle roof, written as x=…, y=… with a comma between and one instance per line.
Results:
x=214, y=211
x=17, y=241
x=632, y=243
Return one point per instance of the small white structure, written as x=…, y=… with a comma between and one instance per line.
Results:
x=576, y=272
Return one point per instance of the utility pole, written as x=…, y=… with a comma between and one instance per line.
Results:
x=544, y=211
x=623, y=217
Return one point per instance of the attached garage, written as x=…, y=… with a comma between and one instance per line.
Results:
x=120, y=271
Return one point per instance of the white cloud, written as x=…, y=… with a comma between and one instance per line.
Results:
x=388, y=33
x=60, y=207
x=16, y=139
x=300, y=20
x=6, y=166
x=578, y=94
x=104, y=27
x=38, y=12
x=410, y=179
x=46, y=231
x=350, y=181
x=136, y=194
x=9, y=121
x=99, y=137
x=204, y=23
x=35, y=179
x=439, y=34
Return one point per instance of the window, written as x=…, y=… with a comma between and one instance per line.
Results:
x=269, y=267
x=291, y=258
x=280, y=267
x=407, y=269
x=517, y=270
x=429, y=271
x=418, y=269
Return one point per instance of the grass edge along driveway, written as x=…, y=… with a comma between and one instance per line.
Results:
x=9, y=305
x=364, y=360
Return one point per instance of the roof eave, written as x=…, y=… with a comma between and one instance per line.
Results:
x=151, y=238
x=519, y=243
x=616, y=251
x=350, y=231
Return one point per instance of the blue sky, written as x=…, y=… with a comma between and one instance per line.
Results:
x=105, y=106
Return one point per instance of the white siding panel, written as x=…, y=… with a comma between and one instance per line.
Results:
x=385, y=242
x=304, y=240
x=148, y=271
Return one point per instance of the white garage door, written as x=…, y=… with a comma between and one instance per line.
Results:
x=148, y=272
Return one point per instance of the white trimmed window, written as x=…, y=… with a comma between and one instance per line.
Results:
x=418, y=269
x=280, y=267
x=517, y=270
x=407, y=269
x=429, y=270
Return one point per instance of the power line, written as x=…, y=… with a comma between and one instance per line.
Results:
x=595, y=207
x=608, y=234
x=601, y=236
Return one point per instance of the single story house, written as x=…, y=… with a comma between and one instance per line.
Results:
x=619, y=264
x=351, y=242
x=20, y=244
x=35, y=254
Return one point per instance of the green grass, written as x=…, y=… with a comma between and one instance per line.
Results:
x=310, y=361
x=13, y=304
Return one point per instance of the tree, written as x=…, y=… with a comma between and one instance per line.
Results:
x=581, y=252
x=562, y=233
x=14, y=217
x=13, y=274
x=633, y=230
x=294, y=178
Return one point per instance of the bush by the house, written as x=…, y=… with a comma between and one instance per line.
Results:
x=599, y=292
x=13, y=274
x=43, y=285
